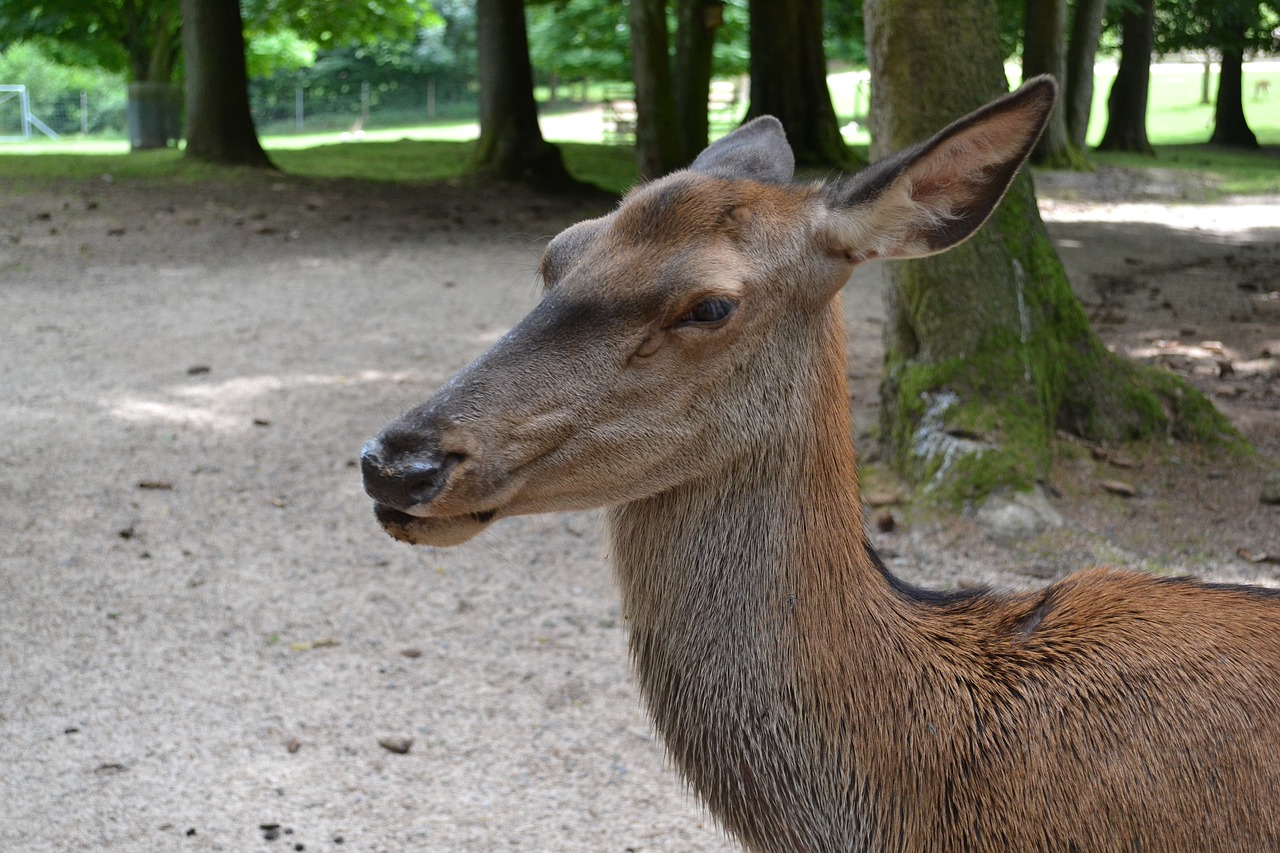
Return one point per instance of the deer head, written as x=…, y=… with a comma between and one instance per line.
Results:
x=673, y=330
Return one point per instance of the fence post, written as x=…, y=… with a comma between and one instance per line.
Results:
x=84, y=112
x=364, y=103
x=431, y=97
x=297, y=109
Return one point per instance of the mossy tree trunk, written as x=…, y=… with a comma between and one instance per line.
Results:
x=987, y=350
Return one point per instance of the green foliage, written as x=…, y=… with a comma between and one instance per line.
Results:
x=139, y=38
x=54, y=89
x=283, y=50
x=1237, y=25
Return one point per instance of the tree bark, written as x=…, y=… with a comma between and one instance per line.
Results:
x=1229, y=125
x=695, y=39
x=1044, y=51
x=1082, y=53
x=987, y=340
x=658, y=148
x=151, y=35
x=1127, y=103
x=511, y=146
x=219, y=126
x=789, y=79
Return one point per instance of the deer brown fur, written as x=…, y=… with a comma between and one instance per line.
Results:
x=686, y=369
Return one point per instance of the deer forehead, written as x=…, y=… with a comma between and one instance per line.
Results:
x=684, y=233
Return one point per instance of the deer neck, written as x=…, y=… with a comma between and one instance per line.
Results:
x=748, y=596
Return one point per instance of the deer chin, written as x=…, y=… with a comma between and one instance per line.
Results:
x=437, y=531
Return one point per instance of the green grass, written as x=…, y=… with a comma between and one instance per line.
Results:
x=1177, y=124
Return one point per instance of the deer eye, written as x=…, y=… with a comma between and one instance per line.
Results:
x=707, y=312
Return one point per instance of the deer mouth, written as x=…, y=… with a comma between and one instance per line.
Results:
x=439, y=531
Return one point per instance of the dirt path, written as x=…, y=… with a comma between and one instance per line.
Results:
x=206, y=635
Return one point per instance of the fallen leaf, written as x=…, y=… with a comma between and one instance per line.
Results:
x=306, y=646
x=1119, y=487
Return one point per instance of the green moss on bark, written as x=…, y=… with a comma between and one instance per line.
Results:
x=982, y=418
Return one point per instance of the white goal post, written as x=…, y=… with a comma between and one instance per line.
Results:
x=9, y=91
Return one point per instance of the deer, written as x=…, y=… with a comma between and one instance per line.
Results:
x=685, y=371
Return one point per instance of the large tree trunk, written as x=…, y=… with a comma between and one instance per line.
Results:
x=153, y=112
x=1082, y=53
x=658, y=148
x=1044, y=51
x=219, y=126
x=1127, y=103
x=1229, y=125
x=789, y=79
x=987, y=350
x=511, y=146
x=695, y=38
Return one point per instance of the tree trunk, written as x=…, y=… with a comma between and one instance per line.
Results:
x=789, y=79
x=1044, y=51
x=1229, y=125
x=153, y=112
x=511, y=147
x=1082, y=53
x=658, y=148
x=219, y=126
x=1127, y=103
x=987, y=350
x=695, y=38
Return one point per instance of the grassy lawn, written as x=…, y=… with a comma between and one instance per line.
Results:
x=1178, y=124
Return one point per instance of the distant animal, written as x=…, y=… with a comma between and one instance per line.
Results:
x=685, y=369
x=1262, y=90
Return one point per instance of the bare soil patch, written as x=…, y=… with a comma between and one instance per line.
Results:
x=209, y=644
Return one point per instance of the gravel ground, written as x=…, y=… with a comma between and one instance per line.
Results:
x=205, y=634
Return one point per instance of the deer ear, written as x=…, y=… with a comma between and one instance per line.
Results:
x=757, y=151
x=932, y=196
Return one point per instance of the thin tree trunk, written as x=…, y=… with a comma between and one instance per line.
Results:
x=658, y=148
x=695, y=38
x=1229, y=125
x=511, y=146
x=1127, y=103
x=219, y=126
x=988, y=340
x=1082, y=53
x=1044, y=51
x=789, y=79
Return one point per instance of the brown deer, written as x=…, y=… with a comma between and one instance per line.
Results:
x=686, y=369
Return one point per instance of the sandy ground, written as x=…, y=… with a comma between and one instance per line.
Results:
x=203, y=633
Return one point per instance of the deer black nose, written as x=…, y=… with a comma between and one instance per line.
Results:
x=406, y=483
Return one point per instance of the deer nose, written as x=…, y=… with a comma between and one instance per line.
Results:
x=403, y=484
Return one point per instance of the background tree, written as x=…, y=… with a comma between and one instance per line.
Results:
x=1232, y=28
x=219, y=126
x=789, y=79
x=1127, y=103
x=696, y=24
x=1044, y=51
x=138, y=37
x=1082, y=54
x=511, y=146
x=987, y=350
x=658, y=148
